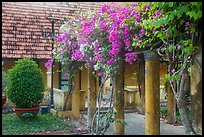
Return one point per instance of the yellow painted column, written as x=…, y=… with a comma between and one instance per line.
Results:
x=142, y=78
x=47, y=91
x=82, y=100
x=171, y=105
x=152, y=94
x=48, y=78
x=91, y=95
x=76, y=95
x=196, y=92
x=118, y=102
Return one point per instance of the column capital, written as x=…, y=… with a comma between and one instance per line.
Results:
x=151, y=55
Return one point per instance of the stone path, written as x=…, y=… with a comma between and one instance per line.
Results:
x=136, y=126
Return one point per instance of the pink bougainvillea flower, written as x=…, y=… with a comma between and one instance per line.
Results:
x=154, y=30
x=179, y=46
x=48, y=64
x=130, y=57
x=110, y=61
x=186, y=24
x=139, y=42
x=137, y=19
x=127, y=42
x=173, y=70
x=181, y=73
x=100, y=73
x=77, y=55
x=187, y=32
x=157, y=13
x=136, y=36
x=141, y=34
x=99, y=57
x=66, y=74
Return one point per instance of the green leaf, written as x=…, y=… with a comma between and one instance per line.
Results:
x=174, y=47
x=175, y=32
x=171, y=4
x=158, y=24
x=199, y=14
x=168, y=77
x=159, y=34
x=179, y=14
x=192, y=14
x=170, y=48
x=189, y=70
x=163, y=49
x=177, y=77
x=170, y=17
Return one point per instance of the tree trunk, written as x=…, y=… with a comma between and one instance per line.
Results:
x=76, y=95
x=181, y=102
x=91, y=96
x=118, y=100
x=140, y=74
x=118, y=103
x=171, y=106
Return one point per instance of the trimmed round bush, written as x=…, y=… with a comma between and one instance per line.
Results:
x=25, y=84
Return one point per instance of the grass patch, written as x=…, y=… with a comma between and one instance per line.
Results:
x=12, y=125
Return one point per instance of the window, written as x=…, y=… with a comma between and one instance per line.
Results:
x=63, y=81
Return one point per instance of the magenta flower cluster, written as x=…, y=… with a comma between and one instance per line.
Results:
x=103, y=36
x=107, y=31
x=67, y=49
x=48, y=64
x=131, y=57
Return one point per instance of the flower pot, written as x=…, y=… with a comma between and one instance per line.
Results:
x=44, y=109
x=27, y=113
x=3, y=100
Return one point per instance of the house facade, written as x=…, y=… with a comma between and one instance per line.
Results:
x=26, y=32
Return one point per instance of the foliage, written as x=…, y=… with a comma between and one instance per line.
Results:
x=12, y=125
x=174, y=26
x=112, y=34
x=25, y=84
x=106, y=39
x=163, y=112
x=176, y=30
x=67, y=51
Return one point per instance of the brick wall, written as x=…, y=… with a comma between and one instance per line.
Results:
x=26, y=31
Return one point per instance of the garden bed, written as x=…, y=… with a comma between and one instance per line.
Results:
x=12, y=125
x=45, y=124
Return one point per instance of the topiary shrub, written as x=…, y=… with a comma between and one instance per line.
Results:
x=25, y=84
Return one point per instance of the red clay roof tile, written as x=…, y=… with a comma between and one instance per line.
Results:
x=24, y=26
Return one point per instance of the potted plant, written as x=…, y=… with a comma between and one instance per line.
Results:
x=26, y=88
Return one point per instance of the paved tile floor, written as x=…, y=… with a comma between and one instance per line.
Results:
x=136, y=126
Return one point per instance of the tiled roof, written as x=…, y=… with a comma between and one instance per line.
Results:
x=25, y=27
